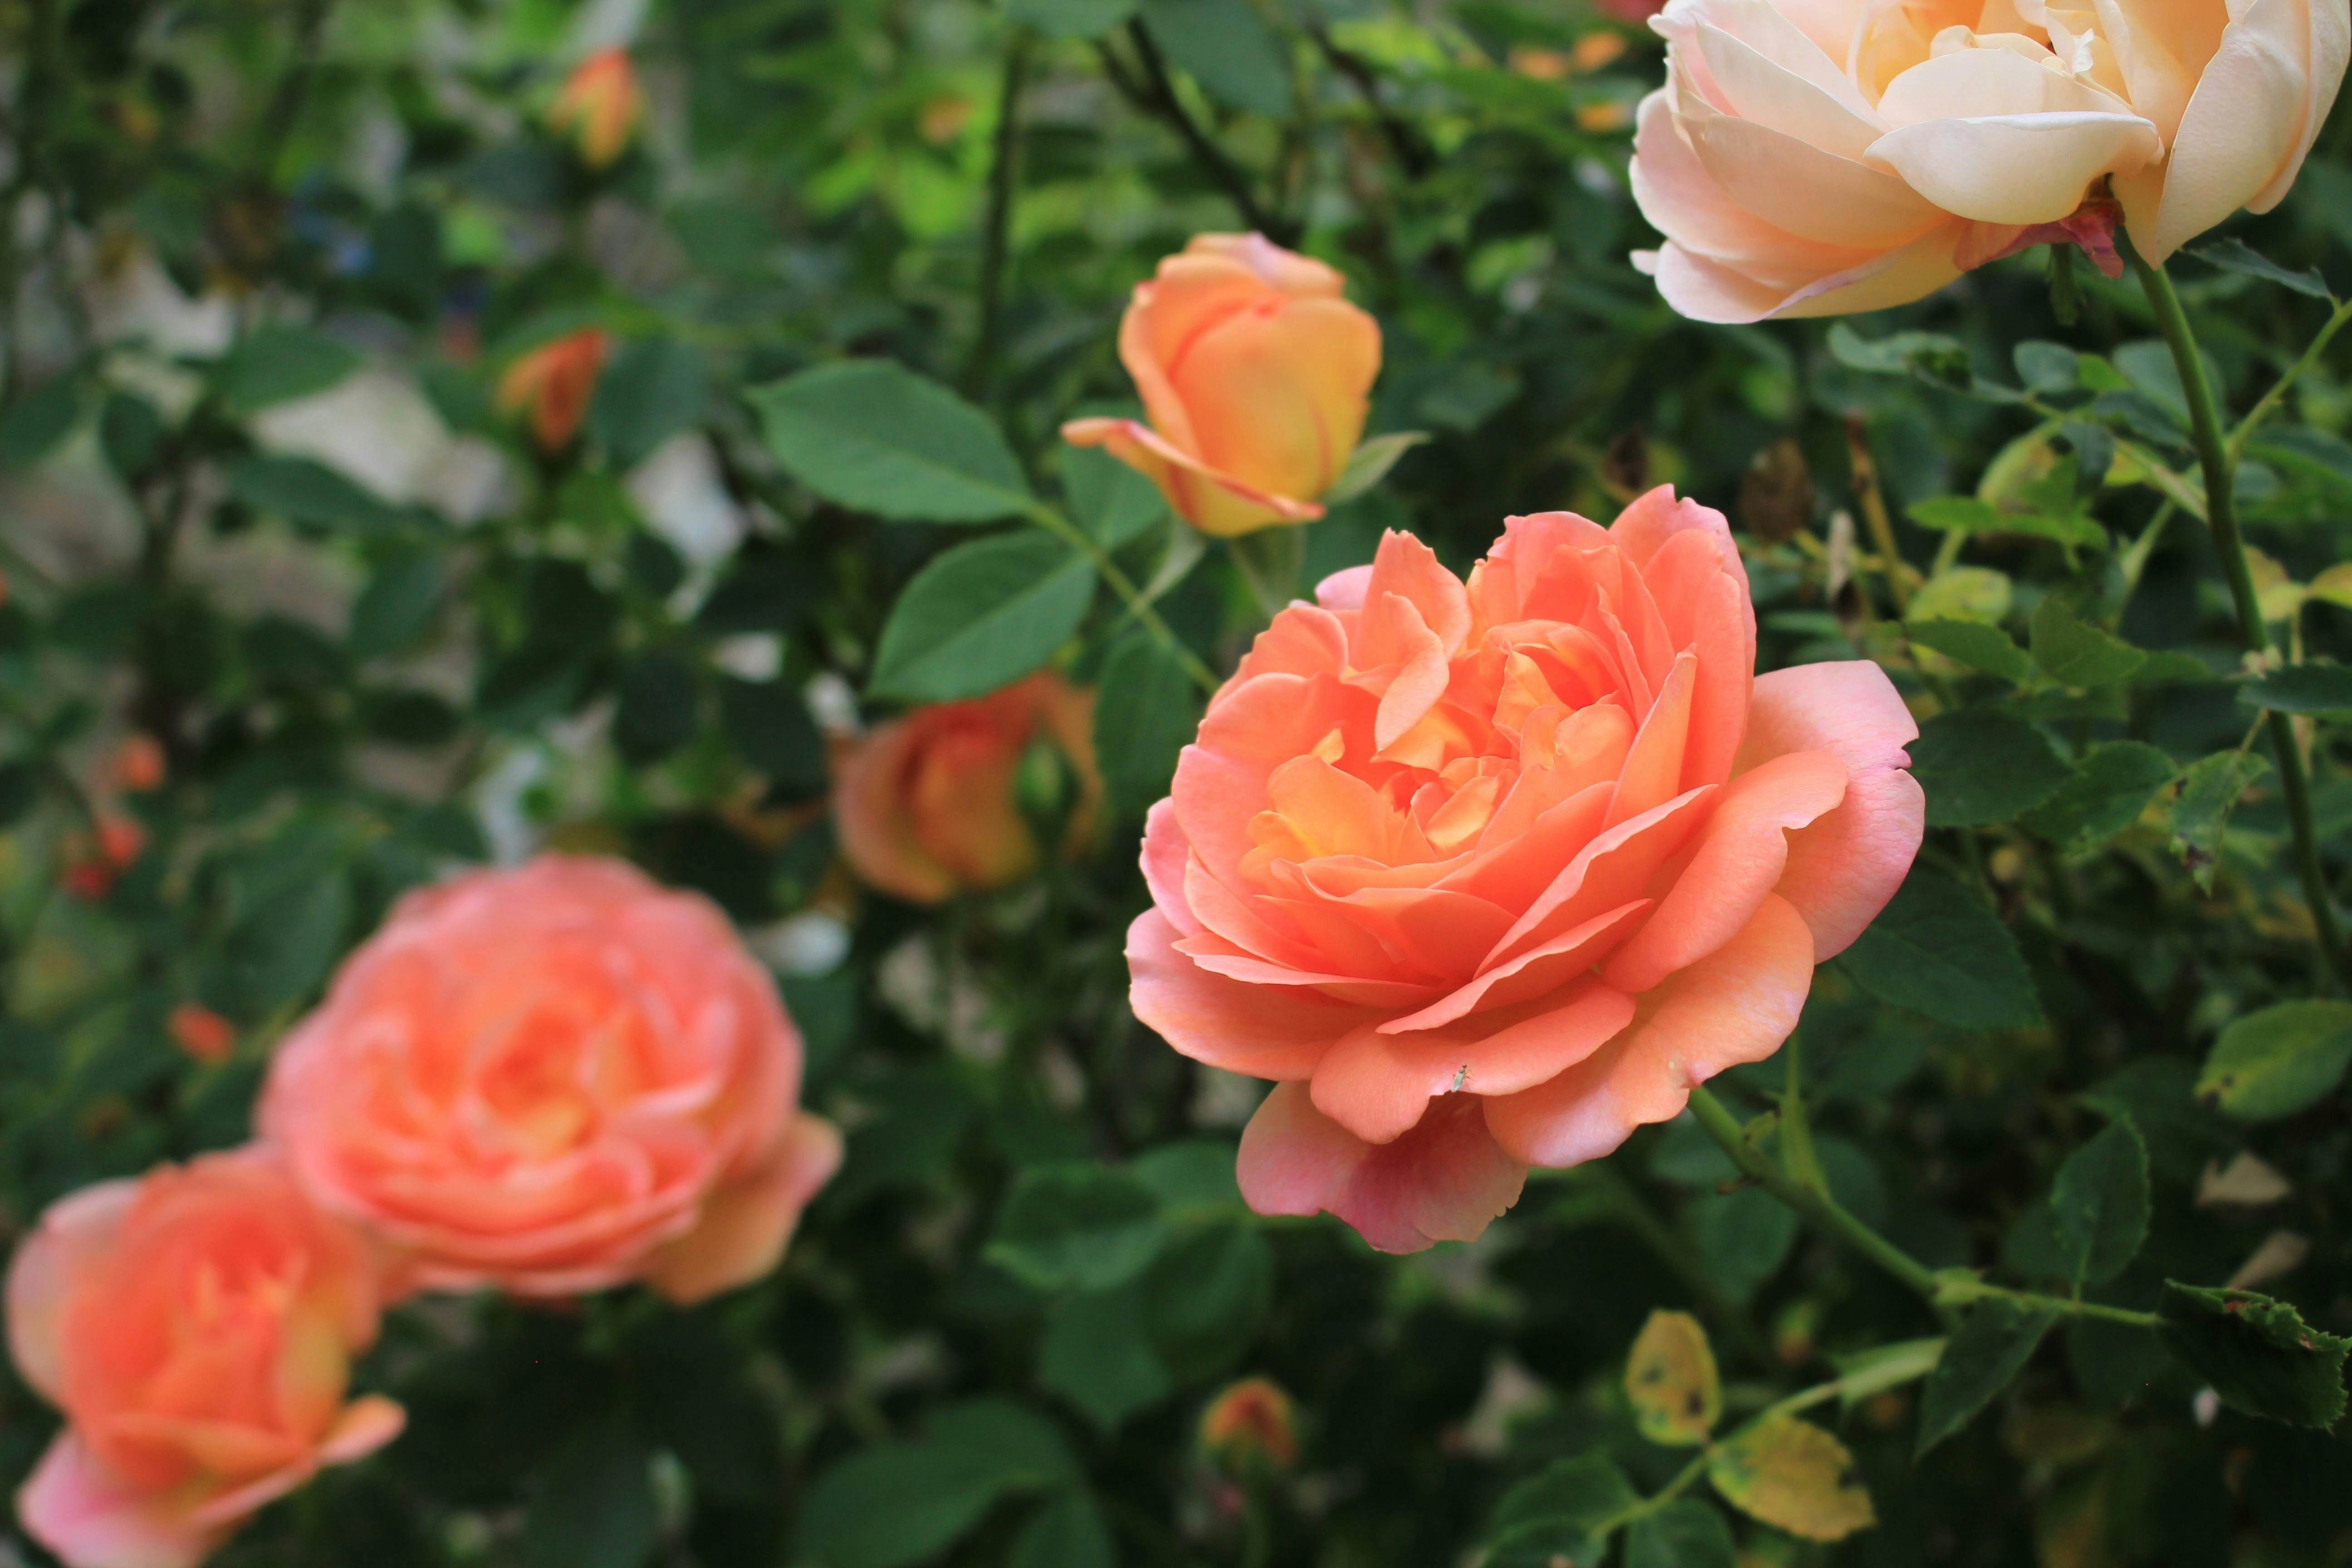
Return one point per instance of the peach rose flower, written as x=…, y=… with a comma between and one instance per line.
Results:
x=1487, y=876
x=925, y=803
x=1255, y=373
x=1815, y=157
x=553, y=385
x=551, y=1080
x=599, y=107
x=197, y=1326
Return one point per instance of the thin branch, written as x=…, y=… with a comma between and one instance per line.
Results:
x=1156, y=95
x=1004, y=179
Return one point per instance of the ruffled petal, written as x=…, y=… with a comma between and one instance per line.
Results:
x=1444, y=1181
x=1264, y=1031
x=746, y=1223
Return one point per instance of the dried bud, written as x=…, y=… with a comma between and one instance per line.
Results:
x=1251, y=1425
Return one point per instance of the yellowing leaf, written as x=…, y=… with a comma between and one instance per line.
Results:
x=2335, y=584
x=1670, y=1380
x=1793, y=1475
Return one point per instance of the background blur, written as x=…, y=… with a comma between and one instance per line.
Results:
x=295, y=618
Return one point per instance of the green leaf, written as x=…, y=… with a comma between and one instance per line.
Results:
x=1067, y=1532
x=652, y=390
x=1938, y=951
x=2302, y=688
x=1969, y=515
x=1976, y=644
x=656, y=713
x=591, y=1504
x=1993, y=1342
x=1369, y=464
x=2258, y=1353
x=1098, y=1353
x=37, y=421
x=1685, y=1533
x=304, y=491
x=1744, y=1236
x=1793, y=1475
x=1227, y=48
x=277, y=364
x=768, y=724
x=2278, y=1061
x=2078, y=654
x=1076, y=1225
x=1207, y=1296
x=1070, y=18
x=396, y=606
x=2237, y=256
x=1550, y=1514
x=900, y=1502
x=981, y=615
x=1932, y=357
x=2202, y=804
x=1671, y=1381
x=1148, y=713
x=130, y=433
x=2098, y=1206
x=2046, y=367
x=1114, y=504
x=1981, y=766
x=2111, y=788
x=1194, y=1179
x=873, y=436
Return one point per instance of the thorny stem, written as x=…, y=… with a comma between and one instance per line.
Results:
x=2217, y=456
x=1946, y=1290
x=1004, y=176
x=1070, y=534
x=2270, y=400
x=1873, y=512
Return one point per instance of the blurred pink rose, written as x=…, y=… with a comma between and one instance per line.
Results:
x=551, y=1080
x=1487, y=876
x=1817, y=157
x=197, y=1326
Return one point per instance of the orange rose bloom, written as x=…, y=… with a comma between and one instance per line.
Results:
x=1254, y=373
x=197, y=1326
x=1486, y=875
x=925, y=805
x=553, y=385
x=599, y=107
x=554, y=1078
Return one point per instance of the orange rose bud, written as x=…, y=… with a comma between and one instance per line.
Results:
x=553, y=385
x=92, y=866
x=1255, y=374
x=139, y=763
x=599, y=107
x=929, y=805
x=1251, y=1425
x=201, y=1032
x=197, y=1326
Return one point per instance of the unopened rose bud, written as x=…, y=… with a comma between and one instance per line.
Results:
x=551, y=384
x=599, y=107
x=203, y=1034
x=1251, y=1425
x=139, y=763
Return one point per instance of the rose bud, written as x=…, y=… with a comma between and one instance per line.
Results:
x=935, y=803
x=93, y=862
x=551, y=1080
x=1811, y=163
x=1251, y=1427
x=551, y=385
x=203, y=1034
x=139, y=763
x=599, y=107
x=197, y=1326
x=1254, y=374
x=1486, y=875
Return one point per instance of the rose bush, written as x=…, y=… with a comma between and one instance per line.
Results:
x=1486, y=876
x=552, y=1080
x=1810, y=160
x=925, y=803
x=197, y=1326
x=1254, y=373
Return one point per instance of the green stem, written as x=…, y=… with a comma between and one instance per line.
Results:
x=1946, y=1290
x=2217, y=456
x=2270, y=400
x=1003, y=177
x=1078, y=538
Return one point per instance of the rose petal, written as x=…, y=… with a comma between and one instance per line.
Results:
x=1735, y=1005
x=1444, y=1181
x=746, y=1223
x=1264, y=1031
x=91, y=1518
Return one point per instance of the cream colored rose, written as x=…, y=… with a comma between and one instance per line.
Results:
x=1817, y=157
